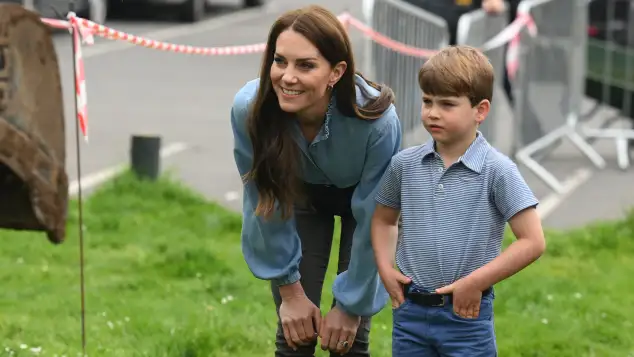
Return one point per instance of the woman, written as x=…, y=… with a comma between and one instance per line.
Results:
x=312, y=140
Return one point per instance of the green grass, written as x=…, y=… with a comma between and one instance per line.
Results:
x=165, y=277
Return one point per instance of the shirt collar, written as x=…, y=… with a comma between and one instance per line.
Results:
x=324, y=132
x=473, y=158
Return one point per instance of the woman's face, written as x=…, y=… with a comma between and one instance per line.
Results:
x=300, y=75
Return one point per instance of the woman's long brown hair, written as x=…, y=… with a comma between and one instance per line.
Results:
x=276, y=156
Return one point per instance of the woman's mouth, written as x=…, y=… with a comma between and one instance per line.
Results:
x=291, y=92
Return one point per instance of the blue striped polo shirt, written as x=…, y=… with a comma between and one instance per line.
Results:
x=453, y=218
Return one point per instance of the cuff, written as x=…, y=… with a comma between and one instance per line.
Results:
x=344, y=309
x=291, y=278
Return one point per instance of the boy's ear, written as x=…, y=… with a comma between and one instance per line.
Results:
x=482, y=110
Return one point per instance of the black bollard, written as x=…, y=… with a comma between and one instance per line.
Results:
x=145, y=156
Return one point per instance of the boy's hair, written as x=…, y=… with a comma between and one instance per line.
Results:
x=458, y=71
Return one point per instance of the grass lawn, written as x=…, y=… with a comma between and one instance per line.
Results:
x=165, y=277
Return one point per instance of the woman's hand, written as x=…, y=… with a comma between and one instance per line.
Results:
x=339, y=330
x=300, y=320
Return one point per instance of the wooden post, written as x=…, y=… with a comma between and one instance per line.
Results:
x=145, y=158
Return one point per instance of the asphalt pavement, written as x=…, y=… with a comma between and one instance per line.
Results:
x=186, y=100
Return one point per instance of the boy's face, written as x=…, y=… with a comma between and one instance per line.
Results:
x=451, y=119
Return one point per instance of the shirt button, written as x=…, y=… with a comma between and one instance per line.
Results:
x=440, y=169
x=440, y=186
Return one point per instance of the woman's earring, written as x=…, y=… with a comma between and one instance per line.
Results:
x=330, y=87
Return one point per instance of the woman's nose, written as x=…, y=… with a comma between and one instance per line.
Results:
x=289, y=76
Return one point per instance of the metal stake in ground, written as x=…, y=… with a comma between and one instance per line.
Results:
x=145, y=156
x=80, y=197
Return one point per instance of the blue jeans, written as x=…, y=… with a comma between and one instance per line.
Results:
x=422, y=331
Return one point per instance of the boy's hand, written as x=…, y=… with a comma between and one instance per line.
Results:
x=394, y=281
x=466, y=298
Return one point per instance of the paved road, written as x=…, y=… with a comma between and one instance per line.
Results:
x=187, y=99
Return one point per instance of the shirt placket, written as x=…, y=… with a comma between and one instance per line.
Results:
x=439, y=170
x=439, y=174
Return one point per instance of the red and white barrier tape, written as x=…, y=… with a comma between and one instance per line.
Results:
x=89, y=28
x=80, y=74
x=389, y=43
x=513, y=52
x=79, y=33
x=83, y=31
x=510, y=35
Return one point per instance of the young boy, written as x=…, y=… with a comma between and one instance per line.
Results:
x=455, y=194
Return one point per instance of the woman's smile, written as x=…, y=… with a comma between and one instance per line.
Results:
x=290, y=93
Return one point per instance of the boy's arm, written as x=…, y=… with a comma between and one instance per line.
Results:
x=385, y=235
x=516, y=202
x=529, y=246
x=384, y=231
x=384, y=227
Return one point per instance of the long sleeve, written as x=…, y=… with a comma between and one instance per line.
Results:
x=271, y=248
x=359, y=290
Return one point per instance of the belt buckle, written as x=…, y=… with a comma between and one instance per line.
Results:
x=442, y=301
x=431, y=297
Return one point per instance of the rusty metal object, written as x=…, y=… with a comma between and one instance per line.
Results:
x=33, y=180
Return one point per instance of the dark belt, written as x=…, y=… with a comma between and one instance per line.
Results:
x=433, y=299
